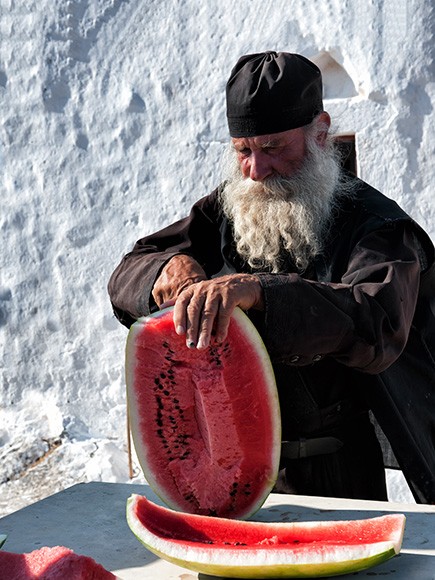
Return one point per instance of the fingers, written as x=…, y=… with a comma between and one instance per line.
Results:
x=162, y=295
x=194, y=316
x=180, y=315
x=178, y=273
x=223, y=322
x=158, y=298
x=167, y=304
x=204, y=309
x=206, y=320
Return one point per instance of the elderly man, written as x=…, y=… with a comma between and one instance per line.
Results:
x=337, y=278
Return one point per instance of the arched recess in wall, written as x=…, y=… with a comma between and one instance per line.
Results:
x=337, y=84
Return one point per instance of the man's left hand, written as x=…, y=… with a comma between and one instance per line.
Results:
x=206, y=307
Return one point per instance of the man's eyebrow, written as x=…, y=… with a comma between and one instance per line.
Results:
x=239, y=146
x=271, y=143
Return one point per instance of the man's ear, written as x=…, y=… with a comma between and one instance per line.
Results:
x=323, y=122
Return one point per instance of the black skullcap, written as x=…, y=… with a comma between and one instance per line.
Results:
x=272, y=92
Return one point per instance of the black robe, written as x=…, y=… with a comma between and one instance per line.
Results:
x=355, y=331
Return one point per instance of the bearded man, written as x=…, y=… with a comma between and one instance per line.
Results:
x=337, y=278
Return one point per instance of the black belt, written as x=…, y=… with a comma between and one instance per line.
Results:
x=309, y=447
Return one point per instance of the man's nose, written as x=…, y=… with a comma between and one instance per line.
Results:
x=259, y=166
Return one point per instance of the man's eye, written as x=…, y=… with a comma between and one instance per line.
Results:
x=271, y=149
x=244, y=152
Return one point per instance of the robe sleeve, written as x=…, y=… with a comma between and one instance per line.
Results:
x=131, y=284
x=363, y=321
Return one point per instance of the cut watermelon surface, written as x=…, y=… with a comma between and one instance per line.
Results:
x=205, y=423
x=56, y=563
x=238, y=549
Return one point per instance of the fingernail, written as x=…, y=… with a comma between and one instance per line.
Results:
x=180, y=329
x=201, y=343
x=190, y=344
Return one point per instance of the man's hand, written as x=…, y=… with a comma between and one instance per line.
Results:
x=180, y=272
x=205, y=307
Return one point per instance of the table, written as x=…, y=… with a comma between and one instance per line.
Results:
x=90, y=519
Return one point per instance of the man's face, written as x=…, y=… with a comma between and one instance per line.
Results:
x=279, y=192
x=270, y=155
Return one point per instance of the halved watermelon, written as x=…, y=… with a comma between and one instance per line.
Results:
x=205, y=423
x=58, y=563
x=237, y=549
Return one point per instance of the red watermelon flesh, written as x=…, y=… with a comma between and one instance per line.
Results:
x=205, y=423
x=56, y=563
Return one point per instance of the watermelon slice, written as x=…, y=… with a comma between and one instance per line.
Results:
x=205, y=423
x=56, y=563
x=237, y=549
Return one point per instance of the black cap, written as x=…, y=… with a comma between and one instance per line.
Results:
x=271, y=92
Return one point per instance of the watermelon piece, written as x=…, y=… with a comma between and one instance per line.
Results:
x=205, y=423
x=239, y=549
x=56, y=563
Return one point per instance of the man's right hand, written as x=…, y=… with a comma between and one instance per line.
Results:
x=180, y=272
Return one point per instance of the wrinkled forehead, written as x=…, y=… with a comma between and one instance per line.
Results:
x=271, y=140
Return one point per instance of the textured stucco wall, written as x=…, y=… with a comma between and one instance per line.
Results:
x=113, y=123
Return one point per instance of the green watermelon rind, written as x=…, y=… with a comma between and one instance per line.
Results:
x=211, y=560
x=272, y=571
x=3, y=538
x=257, y=343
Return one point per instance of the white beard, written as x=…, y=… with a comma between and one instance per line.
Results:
x=283, y=214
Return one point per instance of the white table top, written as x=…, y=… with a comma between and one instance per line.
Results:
x=90, y=519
